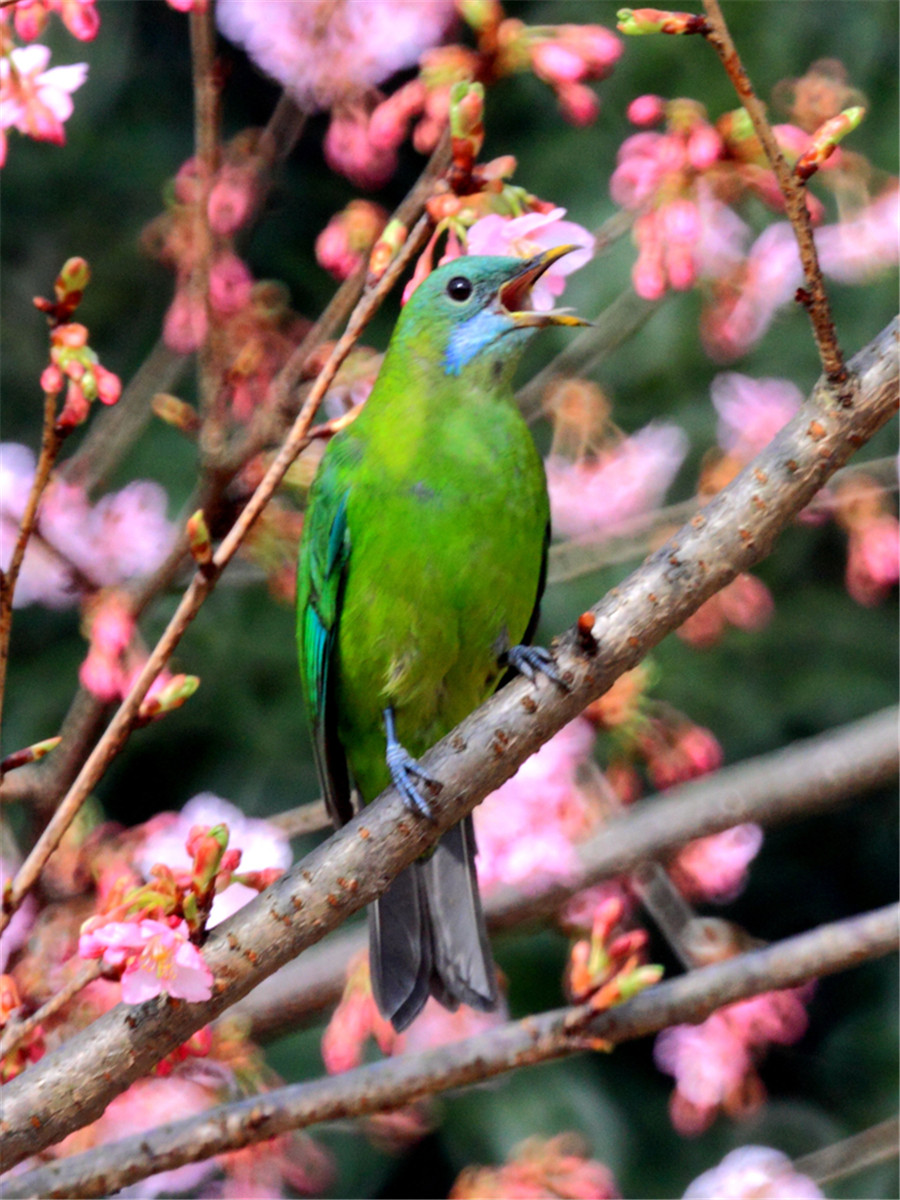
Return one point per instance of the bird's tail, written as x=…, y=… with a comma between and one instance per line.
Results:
x=427, y=934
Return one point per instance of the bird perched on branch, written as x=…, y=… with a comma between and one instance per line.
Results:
x=421, y=568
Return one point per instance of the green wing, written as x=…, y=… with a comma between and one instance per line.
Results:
x=321, y=575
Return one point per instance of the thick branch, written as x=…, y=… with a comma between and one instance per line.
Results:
x=72, y=1085
x=788, y=784
x=397, y=1081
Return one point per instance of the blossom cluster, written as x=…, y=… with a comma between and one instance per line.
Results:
x=35, y=98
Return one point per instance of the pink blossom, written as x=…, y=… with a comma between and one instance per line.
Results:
x=538, y=847
x=350, y=151
x=746, y=603
x=437, y=1026
x=34, y=100
x=16, y=933
x=123, y=536
x=528, y=235
x=323, y=52
x=866, y=245
x=143, y=1106
x=872, y=559
x=753, y=1173
x=597, y=494
x=231, y=199
x=714, y=868
x=157, y=958
x=80, y=17
x=752, y=411
x=262, y=846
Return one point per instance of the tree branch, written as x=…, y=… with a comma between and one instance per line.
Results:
x=397, y=1081
x=72, y=1085
x=791, y=783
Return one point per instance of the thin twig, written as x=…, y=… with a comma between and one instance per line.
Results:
x=16, y=1031
x=50, y=444
x=357, y=863
x=394, y=1082
x=877, y=1144
x=814, y=296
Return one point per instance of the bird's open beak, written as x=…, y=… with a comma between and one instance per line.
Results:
x=515, y=294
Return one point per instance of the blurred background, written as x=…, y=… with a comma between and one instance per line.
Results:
x=822, y=661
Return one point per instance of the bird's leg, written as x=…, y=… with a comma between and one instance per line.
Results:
x=403, y=767
x=531, y=661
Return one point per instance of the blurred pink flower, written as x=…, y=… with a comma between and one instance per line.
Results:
x=186, y=323
x=80, y=17
x=437, y=1026
x=528, y=235
x=16, y=933
x=324, y=51
x=262, y=845
x=345, y=241
x=350, y=150
x=596, y=494
x=714, y=868
x=752, y=411
x=714, y=1062
x=873, y=559
x=746, y=603
x=355, y=1020
x=125, y=535
x=865, y=245
x=753, y=1173
x=230, y=283
x=157, y=959
x=232, y=198
x=34, y=100
x=146, y=1104
x=551, y=813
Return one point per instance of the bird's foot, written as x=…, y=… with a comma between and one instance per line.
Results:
x=532, y=661
x=405, y=770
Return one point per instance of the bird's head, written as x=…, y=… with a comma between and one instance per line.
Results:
x=478, y=309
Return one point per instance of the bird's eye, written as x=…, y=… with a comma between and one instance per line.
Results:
x=459, y=288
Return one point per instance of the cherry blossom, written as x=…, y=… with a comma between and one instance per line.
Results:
x=599, y=492
x=552, y=812
x=753, y=1173
x=751, y=411
x=528, y=235
x=714, y=1063
x=746, y=603
x=715, y=867
x=78, y=547
x=540, y=1167
x=80, y=17
x=34, y=100
x=155, y=956
x=262, y=845
x=323, y=52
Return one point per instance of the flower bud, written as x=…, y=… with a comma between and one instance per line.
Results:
x=655, y=20
x=199, y=539
x=175, y=412
x=466, y=123
x=72, y=279
x=169, y=697
x=825, y=140
x=386, y=248
x=30, y=754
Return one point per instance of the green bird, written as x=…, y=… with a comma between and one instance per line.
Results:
x=422, y=562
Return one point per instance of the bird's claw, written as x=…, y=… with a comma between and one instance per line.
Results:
x=404, y=768
x=532, y=661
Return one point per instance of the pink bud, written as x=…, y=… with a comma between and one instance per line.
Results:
x=579, y=105
x=646, y=110
x=76, y=408
x=30, y=19
x=231, y=200
x=230, y=284
x=72, y=336
x=704, y=147
x=187, y=183
x=101, y=675
x=81, y=19
x=52, y=379
x=555, y=63
x=109, y=385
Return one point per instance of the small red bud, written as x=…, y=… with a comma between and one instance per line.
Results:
x=72, y=280
x=199, y=538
